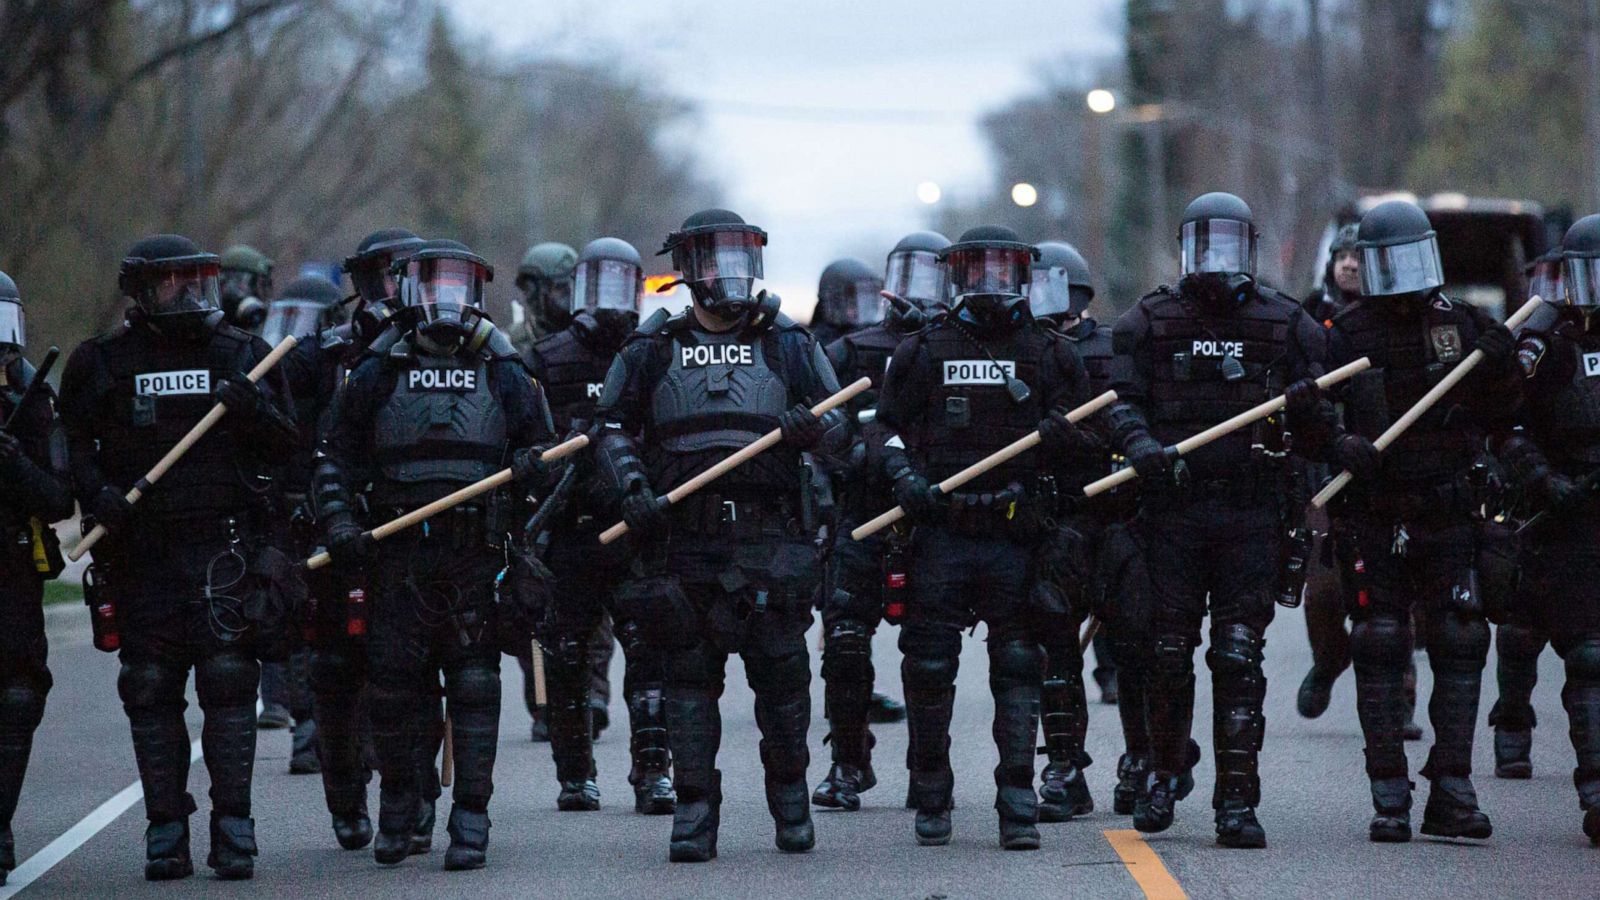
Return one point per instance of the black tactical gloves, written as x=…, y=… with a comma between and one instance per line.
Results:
x=348, y=544
x=1147, y=456
x=1302, y=397
x=915, y=495
x=1357, y=454
x=1061, y=436
x=801, y=428
x=643, y=510
x=110, y=509
x=242, y=397
x=528, y=468
x=1497, y=344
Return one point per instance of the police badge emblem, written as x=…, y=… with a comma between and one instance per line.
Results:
x=1446, y=343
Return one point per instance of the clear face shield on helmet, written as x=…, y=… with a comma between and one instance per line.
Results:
x=1220, y=246
x=722, y=264
x=445, y=293
x=920, y=277
x=181, y=291
x=301, y=318
x=1409, y=268
x=374, y=281
x=863, y=304
x=13, y=326
x=1050, y=293
x=606, y=284
x=1580, y=281
x=990, y=270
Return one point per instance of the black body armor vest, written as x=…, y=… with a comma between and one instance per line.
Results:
x=440, y=428
x=574, y=372
x=1564, y=417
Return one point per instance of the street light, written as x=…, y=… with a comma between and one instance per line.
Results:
x=1024, y=194
x=928, y=192
x=1101, y=101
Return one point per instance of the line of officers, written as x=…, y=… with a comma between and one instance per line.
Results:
x=1483, y=511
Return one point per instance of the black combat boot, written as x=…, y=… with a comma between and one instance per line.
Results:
x=930, y=793
x=422, y=830
x=166, y=851
x=1154, y=811
x=469, y=839
x=1316, y=693
x=842, y=788
x=353, y=830
x=233, y=847
x=1589, y=800
x=791, y=816
x=1019, y=815
x=303, y=749
x=695, y=820
x=579, y=796
x=1131, y=775
x=885, y=709
x=1452, y=810
x=1391, y=821
x=1513, y=754
x=571, y=745
x=397, y=825
x=1064, y=792
x=652, y=758
x=1238, y=828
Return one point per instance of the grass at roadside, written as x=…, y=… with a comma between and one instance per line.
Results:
x=62, y=592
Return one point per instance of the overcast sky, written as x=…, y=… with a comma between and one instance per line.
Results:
x=821, y=117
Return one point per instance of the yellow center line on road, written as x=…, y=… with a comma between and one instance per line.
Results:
x=1145, y=866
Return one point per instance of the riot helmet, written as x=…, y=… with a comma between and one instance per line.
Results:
x=13, y=320
x=1399, y=251
x=990, y=268
x=608, y=289
x=1580, y=253
x=917, y=273
x=849, y=295
x=305, y=307
x=1061, y=286
x=545, y=278
x=1546, y=276
x=719, y=257
x=371, y=267
x=246, y=279
x=441, y=287
x=1218, y=236
x=172, y=282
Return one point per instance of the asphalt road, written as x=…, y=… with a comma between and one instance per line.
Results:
x=1315, y=810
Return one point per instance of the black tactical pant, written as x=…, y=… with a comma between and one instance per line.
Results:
x=168, y=627
x=750, y=596
x=957, y=580
x=433, y=611
x=1517, y=645
x=587, y=574
x=1123, y=606
x=1325, y=604
x=1413, y=564
x=1225, y=550
x=1068, y=584
x=1562, y=592
x=850, y=618
x=24, y=680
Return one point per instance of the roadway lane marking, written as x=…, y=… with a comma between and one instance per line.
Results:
x=1145, y=866
x=35, y=866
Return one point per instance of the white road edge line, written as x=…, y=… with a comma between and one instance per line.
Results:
x=35, y=866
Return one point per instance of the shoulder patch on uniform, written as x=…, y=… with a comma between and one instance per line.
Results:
x=1530, y=352
x=1446, y=341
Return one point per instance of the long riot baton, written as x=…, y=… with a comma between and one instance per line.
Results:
x=748, y=452
x=183, y=446
x=1421, y=407
x=1223, y=429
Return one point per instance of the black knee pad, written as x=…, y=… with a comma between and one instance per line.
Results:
x=1583, y=661
x=1456, y=642
x=148, y=684
x=789, y=672
x=928, y=673
x=847, y=655
x=1015, y=664
x=1235, y=651
x=22, y=705
x=476, y=686
x=1380, y=642
x=227, y=679
x=335, y=672
x=1174, y=656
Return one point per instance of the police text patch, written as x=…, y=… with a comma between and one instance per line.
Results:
x=593, y=389
x=173, y=384
x=442, y=380
x=1591, y=364
x=716, y=355
x=1218, y=349
x=978, y=371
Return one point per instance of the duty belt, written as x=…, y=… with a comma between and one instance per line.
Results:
x=712, y=515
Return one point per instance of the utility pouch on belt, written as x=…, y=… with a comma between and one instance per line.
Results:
x=44, y=549
x=660, y=606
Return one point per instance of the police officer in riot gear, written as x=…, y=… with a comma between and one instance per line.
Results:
x=852, y=610
x=731, y=568
x=34, y=492
x=849, y=299
x=1212, y=524
x=448, y=405
x=308, y=308
x=245, y=285
x=545, y=279
x=571, y=365
x=1517, y=642
x=178, y=568
x=1555, y=459
x=973, y=381
x=1407, y=536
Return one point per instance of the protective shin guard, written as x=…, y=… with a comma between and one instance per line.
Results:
x=152, y=696
x=694, y=730
x=21, y=708
x=1238, y=727
x=474, y=694
x=650, y=751
x=1015, y=669
x=1581, y=698
x=397, y=728
x=344, y=777
x=783, y=720
x=1169, y=701
x=226, y=686
x=1380, y=648
x=847, y=674
x=1063, y=791
x=1456, y=652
